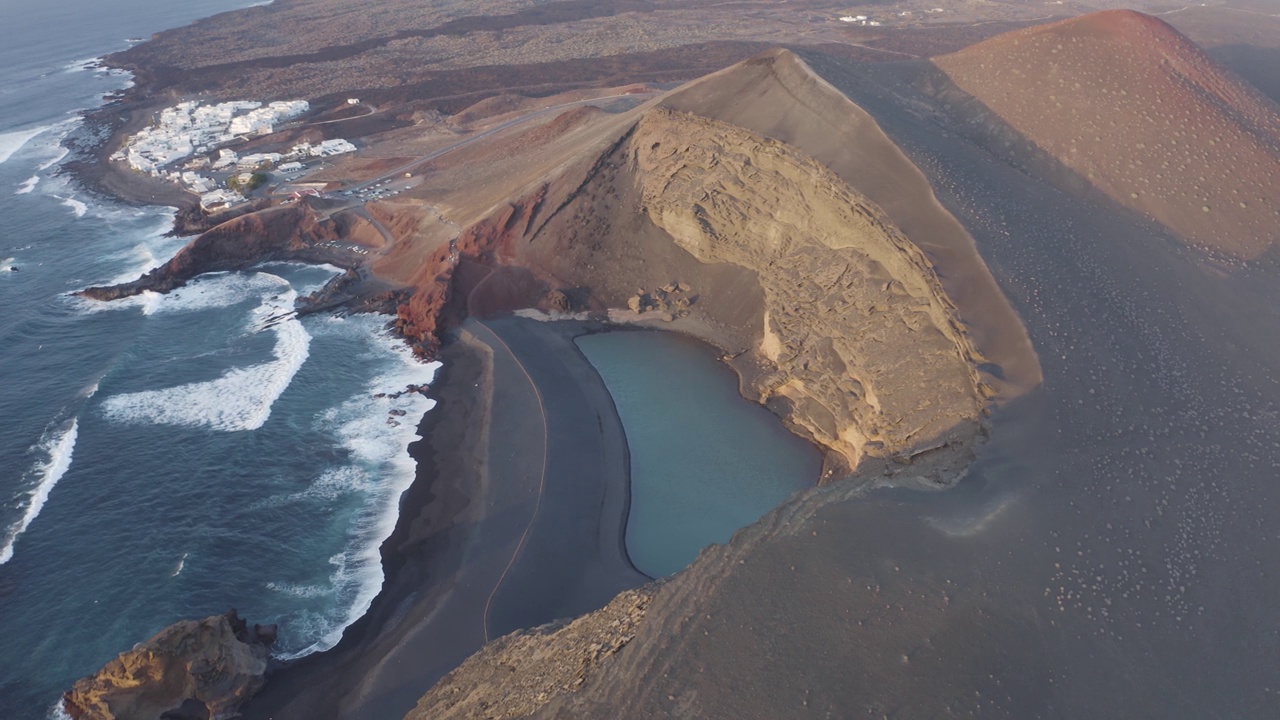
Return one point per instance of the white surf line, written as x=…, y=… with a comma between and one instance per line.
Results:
x=77, y=207
x=59, y=448
x=12, y=142
x=377, y=432
x=182, y=562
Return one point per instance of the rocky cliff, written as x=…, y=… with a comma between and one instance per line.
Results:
x=518, y=674
x=191, y=669
x=837, y=322
x=870, y=359
x=295, y=232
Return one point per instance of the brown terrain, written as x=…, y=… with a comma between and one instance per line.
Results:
x=195, y=668
x=947, y=273
x=1145, y=116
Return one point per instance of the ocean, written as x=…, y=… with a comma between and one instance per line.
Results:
x=166, y=457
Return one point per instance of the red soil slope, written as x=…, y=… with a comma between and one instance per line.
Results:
x=1150, y=119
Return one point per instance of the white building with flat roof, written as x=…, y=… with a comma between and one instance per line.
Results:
x=336, y=146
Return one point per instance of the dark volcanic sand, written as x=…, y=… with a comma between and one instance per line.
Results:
x=1111, y=553
x=482, y=497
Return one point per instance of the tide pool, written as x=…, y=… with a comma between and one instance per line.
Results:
x=705, y=462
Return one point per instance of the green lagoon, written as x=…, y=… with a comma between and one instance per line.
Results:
x=705, y=462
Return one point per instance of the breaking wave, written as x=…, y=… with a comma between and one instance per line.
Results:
x=12, y=142
x=28, y=185
x=239, y=400
x=94, y=63
x=376, y=433
x=77, y=207
x=56, y=447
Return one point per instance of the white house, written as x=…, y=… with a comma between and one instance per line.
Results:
x=218, y=199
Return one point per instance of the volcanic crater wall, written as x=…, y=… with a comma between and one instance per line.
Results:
x=840, y=322
x=870, y=358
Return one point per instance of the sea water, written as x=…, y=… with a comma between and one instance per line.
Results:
x=166, y=457
x=705, y=462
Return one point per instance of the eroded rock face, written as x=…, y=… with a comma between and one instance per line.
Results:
x=193, y=668
x=869, y=356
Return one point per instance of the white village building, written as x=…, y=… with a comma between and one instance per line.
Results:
x=336, y=146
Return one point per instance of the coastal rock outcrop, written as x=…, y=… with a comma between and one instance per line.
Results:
x=191, y=669
x=294, y=232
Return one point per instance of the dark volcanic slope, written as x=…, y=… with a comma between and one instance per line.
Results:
x=1108, y=556
x=1154, y=122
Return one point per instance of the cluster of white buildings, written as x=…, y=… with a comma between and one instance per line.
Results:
x=192, y=129
x=189, y=128
x=228, y=159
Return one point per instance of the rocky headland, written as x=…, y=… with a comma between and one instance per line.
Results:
x=191, y=670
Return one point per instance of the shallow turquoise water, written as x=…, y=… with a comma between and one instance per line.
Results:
x=705, y=462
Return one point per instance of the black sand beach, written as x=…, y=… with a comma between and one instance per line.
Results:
x=516, y=519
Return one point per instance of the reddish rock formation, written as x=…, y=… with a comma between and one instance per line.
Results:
x=283, y=233
x=193, y=668
x=487, y=242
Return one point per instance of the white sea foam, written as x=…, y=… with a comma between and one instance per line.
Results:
x=300, y=591
x=6, y=265
x=55, y=449
x=57, y=712
x=12, y=142
x=239, y=400
x=94, y=63
x=219, y=290
x=331, y=485
x=377, y=443
x=59, y=153
x=148, y=253
x=28, y=185
x=77, y=207
x=182, y=562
